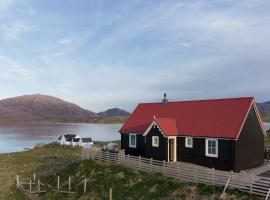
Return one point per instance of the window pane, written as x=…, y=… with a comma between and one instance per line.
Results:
x=213, y=151
x=209, y=143
x=132, y=140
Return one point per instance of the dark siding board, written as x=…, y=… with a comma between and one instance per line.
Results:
x=249, y=148
x=157, y=153
x=197, y=155
x=140, y=148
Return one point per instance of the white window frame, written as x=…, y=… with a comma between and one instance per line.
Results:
x=132, y=145
x=153, y=141
x=186, y=142
x=206, y=148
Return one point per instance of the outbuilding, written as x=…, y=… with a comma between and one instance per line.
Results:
x=226, y=134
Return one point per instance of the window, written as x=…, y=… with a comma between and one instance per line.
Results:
x=155, y=141
x=132, y=140
x=189, y=142
x=211, y=147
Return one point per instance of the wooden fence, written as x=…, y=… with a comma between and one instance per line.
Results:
x=245, y=182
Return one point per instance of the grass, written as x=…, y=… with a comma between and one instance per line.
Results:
x=129, y=184
x=39, y=160
x=267, y=139
x=125, y=183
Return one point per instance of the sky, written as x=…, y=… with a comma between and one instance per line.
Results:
x=103, y=54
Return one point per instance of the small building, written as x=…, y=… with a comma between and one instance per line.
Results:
x=86, y=142
x=226, y=134
x=76, y=141
x=67, y=139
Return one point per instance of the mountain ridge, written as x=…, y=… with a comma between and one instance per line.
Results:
x=45, y=108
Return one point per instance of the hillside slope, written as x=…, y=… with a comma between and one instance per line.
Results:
x=38, y=107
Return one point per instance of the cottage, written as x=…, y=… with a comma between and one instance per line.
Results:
x=67, y=139
x=86, y=142
x=226, y=134
x=76, y=141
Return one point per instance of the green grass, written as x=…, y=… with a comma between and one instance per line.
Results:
x=267, y=139
x=38, y=160
x=130, y=184
x=126, y=183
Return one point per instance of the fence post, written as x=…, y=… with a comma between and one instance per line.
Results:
x=151, y=164
x=69, y=183
x=58, y=182
x=250, y=184
x=164, y=167
x=128, y=160
x=196, y=173
x=84, y=186
x=213, y=176
x=38, y=185
x=140, y=162
x=110, y=193
x=30, y=185
x=99, y=155
x=179, y=171
x=34, y=177
x=18, y=180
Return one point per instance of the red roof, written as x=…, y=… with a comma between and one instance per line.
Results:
x=167, y=125
x=220, y=118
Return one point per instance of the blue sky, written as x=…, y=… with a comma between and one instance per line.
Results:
x=103, y=54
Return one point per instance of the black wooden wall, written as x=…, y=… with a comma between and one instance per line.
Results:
x=249, y=148
x=140, y=148
x=157, y=153
x=197, y=155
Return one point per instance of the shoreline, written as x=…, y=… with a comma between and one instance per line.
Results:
x=51, y=122
x=96, y=143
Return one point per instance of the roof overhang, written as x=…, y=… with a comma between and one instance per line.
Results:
x=150, y=126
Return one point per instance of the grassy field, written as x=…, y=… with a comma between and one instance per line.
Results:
x=128, y=184
x=125, y=183
x=39, y=160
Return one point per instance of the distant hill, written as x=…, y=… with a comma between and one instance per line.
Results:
x=114, y=112
x=264, y=109
x=44, y=108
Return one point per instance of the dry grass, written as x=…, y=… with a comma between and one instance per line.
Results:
x=39, y=160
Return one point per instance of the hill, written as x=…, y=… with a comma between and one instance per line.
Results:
x=44, y=108
x=264, y=109
x=114, y=112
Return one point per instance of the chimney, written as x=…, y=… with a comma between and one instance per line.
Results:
x=165, y=99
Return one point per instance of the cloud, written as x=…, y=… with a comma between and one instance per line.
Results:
x=64, y=41
x=14, y=30
x=5, y=4
x=13, y=71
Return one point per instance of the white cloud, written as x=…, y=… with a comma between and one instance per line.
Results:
x=14, y=30
x=64, y=41
x=11, y=70
x=5, y=4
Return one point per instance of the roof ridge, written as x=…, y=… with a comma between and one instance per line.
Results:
x=199, y=100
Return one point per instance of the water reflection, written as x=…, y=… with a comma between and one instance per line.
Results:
x=18, y=137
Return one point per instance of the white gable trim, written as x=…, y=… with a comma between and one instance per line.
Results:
x=252, y=105
x=149, y=128
x=259, y=117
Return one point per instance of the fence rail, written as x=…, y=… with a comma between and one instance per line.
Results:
x=186, y=172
